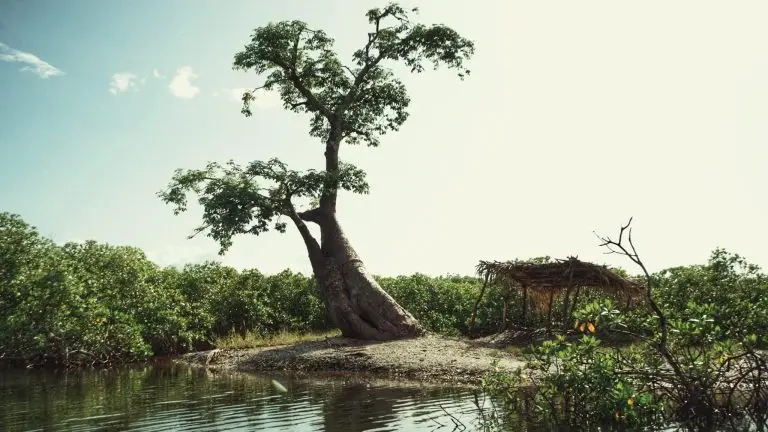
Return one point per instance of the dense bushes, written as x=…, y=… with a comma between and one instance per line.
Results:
x=97, y=302
x=443, y=304
x=94, y=302
x=693, y=364
x=100, y=303
x=58, y=301
x=729, y=291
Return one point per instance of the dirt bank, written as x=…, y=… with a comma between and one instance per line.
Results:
x=429, y=358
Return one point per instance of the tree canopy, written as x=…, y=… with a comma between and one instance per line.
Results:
x=364, y=100
x=253, y=199
x=356, y=103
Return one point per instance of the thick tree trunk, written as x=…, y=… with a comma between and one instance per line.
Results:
x=358, y=306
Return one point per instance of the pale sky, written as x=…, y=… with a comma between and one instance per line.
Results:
x=577, y=116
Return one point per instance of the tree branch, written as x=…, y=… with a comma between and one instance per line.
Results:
x=313, y=247
x=315, y=215
x=661, y=345
x=312, y=101
x=269, y=84
x=367, y=66
x=350, y=130
x=298, y=104
x=198, y=230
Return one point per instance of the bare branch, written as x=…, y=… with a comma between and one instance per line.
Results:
x=298, y=104
x=198, y=230
x=663, y=320
x=458, y=425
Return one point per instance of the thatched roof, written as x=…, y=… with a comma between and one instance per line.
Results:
x=558, y=276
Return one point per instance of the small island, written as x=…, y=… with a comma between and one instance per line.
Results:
x=429, y=358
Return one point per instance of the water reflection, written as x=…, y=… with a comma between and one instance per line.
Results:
x=172, y=397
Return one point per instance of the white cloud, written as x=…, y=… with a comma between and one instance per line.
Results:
x=33, y=63
x=156, y=73
x=181, y=85
x=122, y=82
x=263, y=99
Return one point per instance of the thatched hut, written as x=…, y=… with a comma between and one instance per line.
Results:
x=543, y=282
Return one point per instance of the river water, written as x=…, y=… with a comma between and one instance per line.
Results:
x=177, y=398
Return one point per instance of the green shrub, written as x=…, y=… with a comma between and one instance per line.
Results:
x=444, y=304
x=116, y=305
x=576, y=385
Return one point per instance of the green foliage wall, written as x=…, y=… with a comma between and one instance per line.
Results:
x=114, y=304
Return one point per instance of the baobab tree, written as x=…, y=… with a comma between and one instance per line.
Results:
x=351, y=104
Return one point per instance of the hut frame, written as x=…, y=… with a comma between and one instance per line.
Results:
x=566, y=277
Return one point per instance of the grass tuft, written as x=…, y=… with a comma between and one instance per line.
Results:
x=257, y=340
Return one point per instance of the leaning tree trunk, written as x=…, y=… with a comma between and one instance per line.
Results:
x=358, y=306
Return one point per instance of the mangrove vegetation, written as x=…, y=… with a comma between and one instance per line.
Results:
x=604, y=347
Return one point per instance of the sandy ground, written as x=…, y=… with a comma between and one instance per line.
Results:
x=430, y=358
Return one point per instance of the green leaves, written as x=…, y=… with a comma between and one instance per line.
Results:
x=413, y=44
x=731, y=292
x=443, y=304
x=598, y=314
x=116, y=305
x=251, y=199
x=300, y=65
x=360, y=102
x=90, y=297
x=577, y=385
